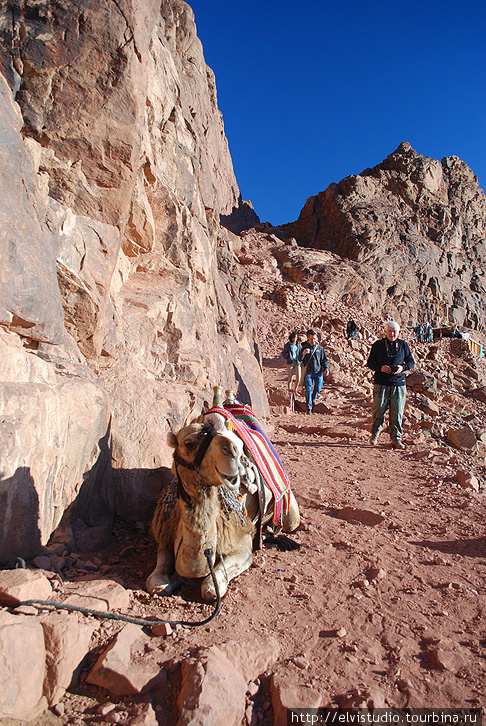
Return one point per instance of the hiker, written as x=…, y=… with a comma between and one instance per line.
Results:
x=428, y=333
x=291, y=354
x=389, y=358
x=351, y=329
x=315, y=365
x=419, y=334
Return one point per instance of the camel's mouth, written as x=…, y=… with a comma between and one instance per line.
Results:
x=232, y=482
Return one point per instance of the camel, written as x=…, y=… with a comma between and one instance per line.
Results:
x=216, y=499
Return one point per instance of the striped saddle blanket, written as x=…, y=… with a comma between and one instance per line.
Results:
x=242, y=419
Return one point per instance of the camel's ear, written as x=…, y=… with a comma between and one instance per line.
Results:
x=172, y=440
x=217, y=420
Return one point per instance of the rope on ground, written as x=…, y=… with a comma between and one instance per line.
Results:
x=137, y=621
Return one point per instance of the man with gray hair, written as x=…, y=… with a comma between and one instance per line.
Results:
x=389, y=358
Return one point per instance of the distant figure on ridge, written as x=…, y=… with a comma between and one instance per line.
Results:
x=316, y=366
x=419, y=333
x=389, y=358
x=291, y=353
x=351, y=329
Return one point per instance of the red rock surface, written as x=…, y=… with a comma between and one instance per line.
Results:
x=116, y=175
x=416, y=226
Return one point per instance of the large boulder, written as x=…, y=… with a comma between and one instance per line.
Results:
x=212, y=691
x=67, y=643
x=23, y=667
x=53, y=430
x=122, y=670
x=463, y=438
x=479, y=394
x=19, y=585
x=422, y=382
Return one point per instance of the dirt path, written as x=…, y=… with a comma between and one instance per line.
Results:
x=405, y=594
x=383, y=607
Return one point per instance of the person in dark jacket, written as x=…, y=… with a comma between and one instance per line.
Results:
x=389, y=358
x=351, y=329
x=315, y=365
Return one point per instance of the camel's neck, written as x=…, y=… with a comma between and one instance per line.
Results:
x=197, y=528
x=199, y=516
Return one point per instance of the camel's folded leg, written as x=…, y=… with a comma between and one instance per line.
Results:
x=234, y=564
x=163, y=580
x=291, y=520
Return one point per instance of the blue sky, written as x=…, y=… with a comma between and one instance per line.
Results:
x=313, y=91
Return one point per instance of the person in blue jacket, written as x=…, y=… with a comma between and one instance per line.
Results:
x=315, y=365
x=389, y=358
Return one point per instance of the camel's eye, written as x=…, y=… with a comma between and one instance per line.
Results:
x=190, y=445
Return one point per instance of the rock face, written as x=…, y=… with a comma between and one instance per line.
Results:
x=121, y=304
x=52, y=433
x=21, y=688
x=417, y=228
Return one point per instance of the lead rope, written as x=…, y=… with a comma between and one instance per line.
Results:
x=208, y=544
x=208, y=553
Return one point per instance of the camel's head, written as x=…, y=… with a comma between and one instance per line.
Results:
x=214, y=455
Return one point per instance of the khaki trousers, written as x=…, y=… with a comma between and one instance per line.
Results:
x=384, y=398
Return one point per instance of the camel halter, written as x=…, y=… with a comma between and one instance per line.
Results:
x=209, y=432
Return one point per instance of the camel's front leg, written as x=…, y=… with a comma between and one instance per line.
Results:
x=234, y=564
x=163, y=580
x=291, y=520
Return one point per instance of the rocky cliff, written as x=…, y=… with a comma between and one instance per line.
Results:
x=120, y=300
x=417, y=229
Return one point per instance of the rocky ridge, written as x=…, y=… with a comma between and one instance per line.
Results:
x=417, y=228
